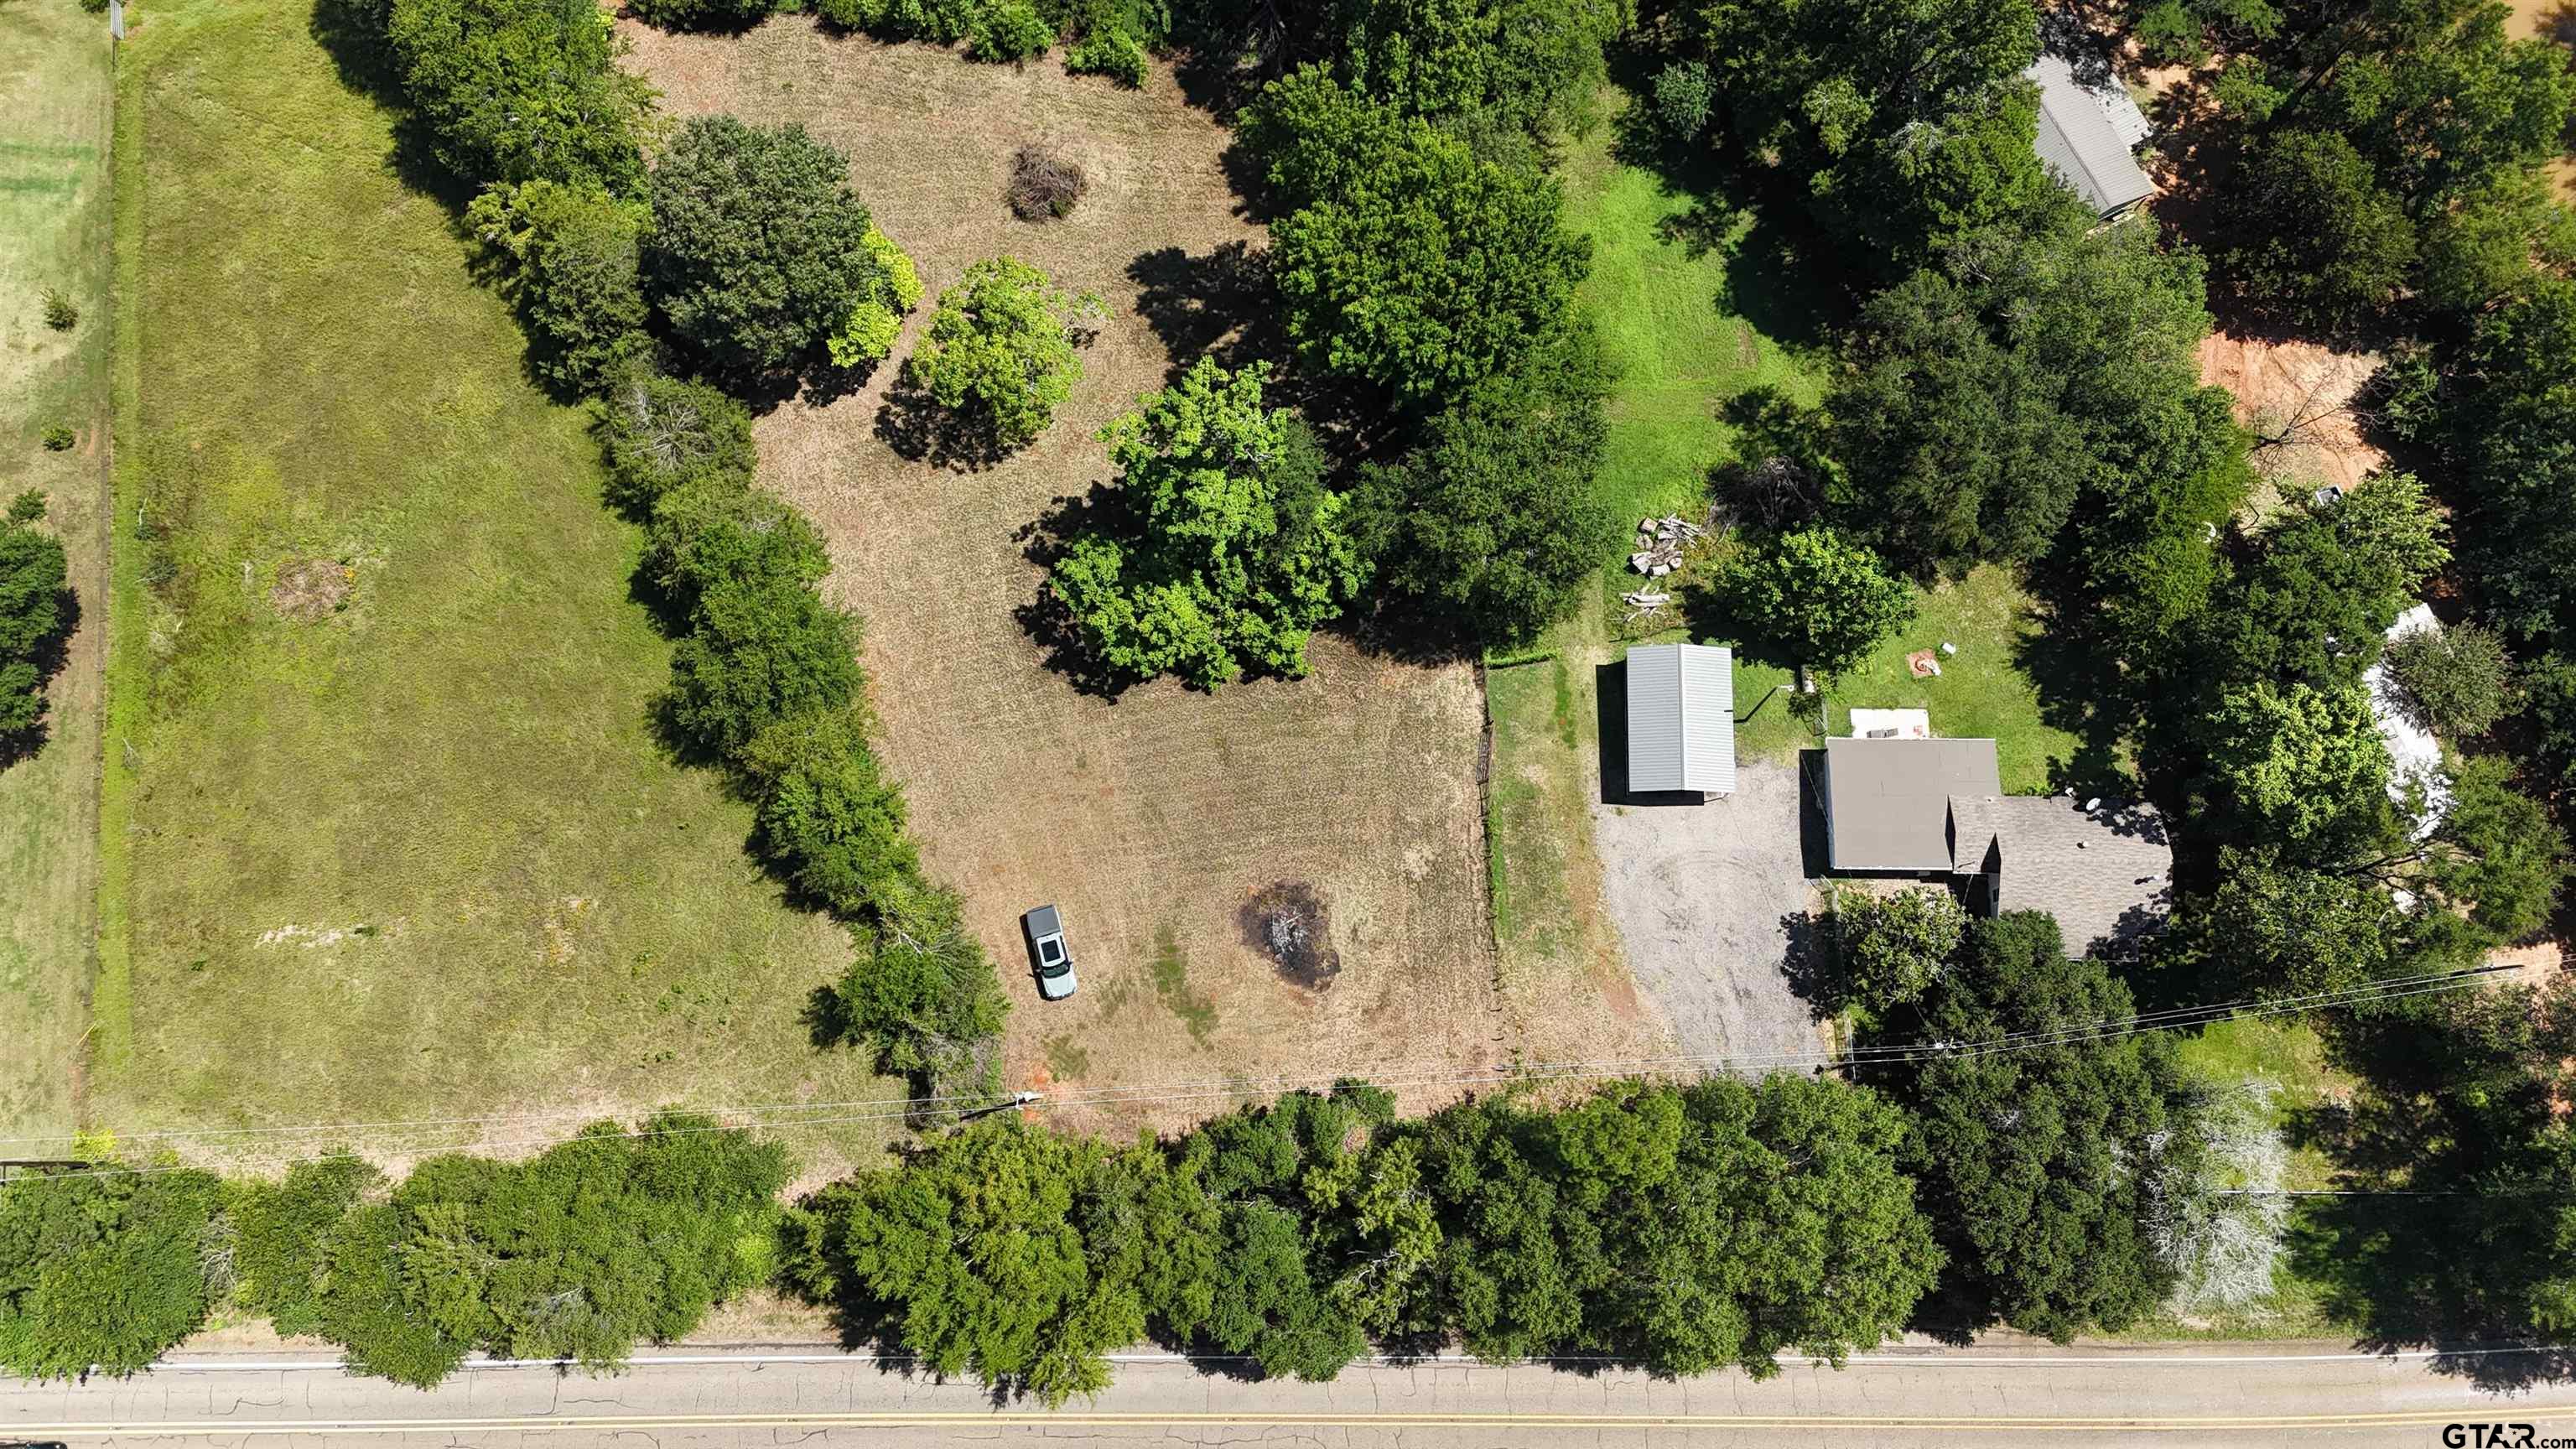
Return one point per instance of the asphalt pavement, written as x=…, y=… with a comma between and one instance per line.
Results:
x=2230, y=1395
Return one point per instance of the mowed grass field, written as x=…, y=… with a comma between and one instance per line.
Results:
x=390, y=838
x=1157, y=820
x=56, y=95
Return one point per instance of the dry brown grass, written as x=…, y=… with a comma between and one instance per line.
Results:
x=1166, y=811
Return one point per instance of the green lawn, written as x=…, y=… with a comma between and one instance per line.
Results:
x=56, y=89
x=394, y=839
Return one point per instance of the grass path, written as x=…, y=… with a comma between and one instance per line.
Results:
x=55, y=102
x=393, y=839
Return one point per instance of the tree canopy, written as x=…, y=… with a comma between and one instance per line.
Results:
x=1812, y=598
x=759, y=251
x=521, y=90
x=1230, y=549
x=1000, y=352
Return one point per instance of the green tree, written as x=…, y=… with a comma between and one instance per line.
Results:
x=106, y=1268
x=922, y=994
x=283, y=1237
x=569, y=254
x=1429, y=270
x=34, y=580
x=973, y=1243
x=662, y=434
x=1891, y=947
x=828, y=816
x=1495, y=524
x=2327, y=580
x=2456, y=681
x=2494, y=856
x=1000, y=350
x=2034, y=1162
x=2315, y=237
x=1532, y=65
x=2300, y=766
x=1232, y=550
x=759, y=252
x=2489, y=243
x=2276, y=928
x=703, y=14
x=1812, y=598
x=761, y=645
x=521, y=90
x=576, y=1254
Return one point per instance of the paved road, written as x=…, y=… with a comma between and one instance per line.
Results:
x=2232, y=1396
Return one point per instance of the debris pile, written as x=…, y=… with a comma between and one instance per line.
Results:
x=1660, y=542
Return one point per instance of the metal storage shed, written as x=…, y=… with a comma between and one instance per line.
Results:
x=1681, y=719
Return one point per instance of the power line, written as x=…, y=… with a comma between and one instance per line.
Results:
x=1434, y=1074
x=2168, y=1019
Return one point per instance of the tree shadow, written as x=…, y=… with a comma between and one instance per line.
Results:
x=1218, y=305
x=352, y=33
x=1812, y=964
x=1068, y=651
x=913, y=423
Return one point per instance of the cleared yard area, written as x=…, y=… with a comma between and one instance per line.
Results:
x=56, y=86
x=389, y=837
x=1188, y=839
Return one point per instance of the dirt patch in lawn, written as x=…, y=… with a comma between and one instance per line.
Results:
x=312, y=589
x=1287, y=923
x=1153, y=820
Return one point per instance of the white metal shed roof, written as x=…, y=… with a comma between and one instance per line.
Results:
x=1681, y=718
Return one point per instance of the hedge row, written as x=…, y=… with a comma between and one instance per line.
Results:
x=740, y=252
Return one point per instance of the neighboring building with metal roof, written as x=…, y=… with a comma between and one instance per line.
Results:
x=2085, y=136
x=1681, y=719
x=1936, y=808
x=1887, y=801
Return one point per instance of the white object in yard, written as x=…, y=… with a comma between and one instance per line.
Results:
x=1949, y=648
x=2412, y=750
x=1908, y=724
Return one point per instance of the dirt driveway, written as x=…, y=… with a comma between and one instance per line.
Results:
x=1707, y=899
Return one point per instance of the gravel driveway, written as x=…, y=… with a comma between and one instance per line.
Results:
x=1706, y=898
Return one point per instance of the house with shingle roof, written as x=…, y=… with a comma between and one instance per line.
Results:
x=1935, y=809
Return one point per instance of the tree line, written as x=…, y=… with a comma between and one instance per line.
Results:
x=1686, y=1226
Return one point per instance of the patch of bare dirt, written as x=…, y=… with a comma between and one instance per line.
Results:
x=1287, y=923
x=1164, y=807
x=312, y=589
x=2304, y=403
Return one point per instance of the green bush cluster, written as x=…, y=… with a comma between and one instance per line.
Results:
x=1689, y=1227
x=1000, y=355
x=602, y=1242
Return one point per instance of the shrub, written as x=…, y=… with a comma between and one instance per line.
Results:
x=758, y=253
x=1891, y=947
x=94, y=7
x=1811, y=598
x=1113, y=53
x=1000, y=350
x=105, y=1268
x=2455, y=682
x=662, y=434
x=1044, y=185
x=568, y=254
x=576, y=1254
x=1008, y=30
x=61, y=313
x=828, y=815
x=878, y=319
x=58, y=437
x=1683, y=96
x=284, y=1237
